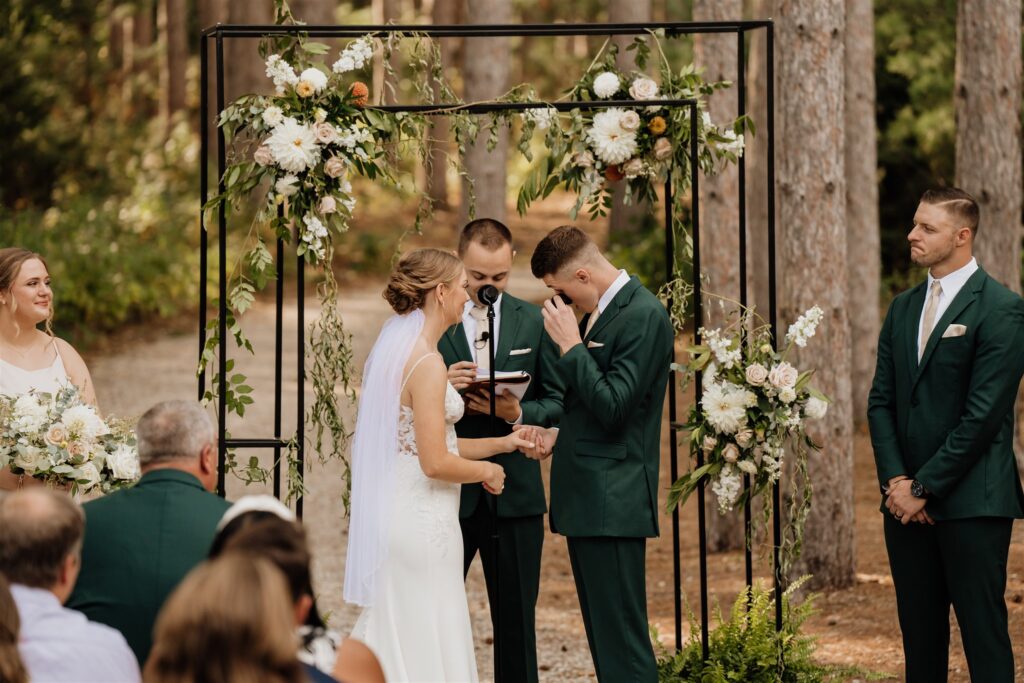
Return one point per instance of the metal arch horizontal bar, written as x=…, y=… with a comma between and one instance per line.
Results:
x=485, y=107
x=254, y=443
x=485, y=30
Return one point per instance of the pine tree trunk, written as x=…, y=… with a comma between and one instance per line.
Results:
x=244, y=69
x=171, y=27
x=988, y=139
x=756, y=154
x=314, y=11
x=862, y=230
x=486, y=68
x=211, y=13
x=623, y=218
x=141, y=55
x=719, y=213
x=443, y=12
x=812, y=205
x=384, y=87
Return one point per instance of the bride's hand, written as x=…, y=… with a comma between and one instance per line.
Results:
x=524, y=440
x=494, y=481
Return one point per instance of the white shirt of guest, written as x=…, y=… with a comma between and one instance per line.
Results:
x=469, y=324
x=618, y=283
x=951, y=285
x=60, y=645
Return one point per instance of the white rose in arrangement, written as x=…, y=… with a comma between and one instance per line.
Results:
x=294, y=146
x=315, y=78
x=319, y=114
x=583, y=159
x=611, y=143
x=709, y=443
x=88, y=476
x=630, y=121
x=29, y=414
x=606, y=85
x=756, y=374
x=335, y=167
x=272, y=116
x=662, y=149
x=56, y=435
x=326, y=133
x=124, y=463
x=287, y=185
x=77, y=452
x=787, y=395
x=263, y=156
x=643, y=89
x=730, y=453
x=633, y=168
x=328, y=205
x=747, y=467
x=783, y=375
x=83, y=423
x=815, y=408
x=30, y=459
x=724, y=408
x=744, y=437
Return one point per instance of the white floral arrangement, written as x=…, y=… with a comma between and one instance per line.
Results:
x=753, y=409
x=63, y=441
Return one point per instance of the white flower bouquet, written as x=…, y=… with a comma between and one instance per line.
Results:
x=62, y=441
x=752, y=409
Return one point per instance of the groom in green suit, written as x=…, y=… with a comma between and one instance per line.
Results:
x=950, y=359
x=604, y=475
x=513, y=578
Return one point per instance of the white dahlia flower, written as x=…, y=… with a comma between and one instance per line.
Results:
x=724, y=408
x=294, y=146
x=606, y=85
x=611, y=143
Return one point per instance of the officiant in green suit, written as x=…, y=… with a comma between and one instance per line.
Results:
x=520, y=343
x=604, y=472
x=950, y=359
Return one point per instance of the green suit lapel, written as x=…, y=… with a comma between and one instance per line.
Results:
x=620, y=299
x=509, y=325
x=457, y=345
x=964, y=298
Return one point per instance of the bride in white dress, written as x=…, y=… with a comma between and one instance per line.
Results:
x=31, y=358
x=404, y=562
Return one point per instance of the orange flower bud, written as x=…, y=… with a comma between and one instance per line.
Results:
x=360, y=94
x=613, y=173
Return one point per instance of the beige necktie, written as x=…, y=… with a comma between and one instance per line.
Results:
x=928, y=323
x=590, y=322
x=481, y=342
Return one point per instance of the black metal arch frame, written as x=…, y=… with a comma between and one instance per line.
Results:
x=220, y=32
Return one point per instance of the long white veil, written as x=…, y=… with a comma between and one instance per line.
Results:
x=374, y=450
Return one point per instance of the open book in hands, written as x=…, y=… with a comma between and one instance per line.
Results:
x=513, y=382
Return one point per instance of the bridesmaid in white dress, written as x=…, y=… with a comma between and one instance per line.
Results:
x=31, y=358
x=404, y=562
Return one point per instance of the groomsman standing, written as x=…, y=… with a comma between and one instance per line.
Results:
x=604, y=476
x=485, y=247
x=950, y=358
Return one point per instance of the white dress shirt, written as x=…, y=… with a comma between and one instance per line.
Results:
x=951, y=285
x=618, y=283
x=469, y=325
x=60, y=645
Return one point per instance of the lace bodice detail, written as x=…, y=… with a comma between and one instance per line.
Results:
x=453, y=410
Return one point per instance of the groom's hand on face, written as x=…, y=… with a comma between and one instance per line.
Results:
x=461, y=374
x=560, y=324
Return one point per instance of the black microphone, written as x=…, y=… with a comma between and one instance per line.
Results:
x=564, y=297
x=488, y=295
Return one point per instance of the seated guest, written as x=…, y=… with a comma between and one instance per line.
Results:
x=265, y=527
x=40, y=538
x=229, y=621
x=12, y=669
x=140, y=542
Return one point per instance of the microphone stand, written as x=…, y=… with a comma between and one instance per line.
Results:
x=491, y=299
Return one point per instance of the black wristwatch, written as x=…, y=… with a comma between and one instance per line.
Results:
x=917, y=489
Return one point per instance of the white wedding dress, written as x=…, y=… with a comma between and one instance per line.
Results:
x=418, y=623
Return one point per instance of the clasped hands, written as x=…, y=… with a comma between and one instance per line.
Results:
x=904, y=506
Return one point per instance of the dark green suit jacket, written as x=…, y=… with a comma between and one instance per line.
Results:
x=139, y=543
x=522, y=345
x=948, y=421
x=604, y=472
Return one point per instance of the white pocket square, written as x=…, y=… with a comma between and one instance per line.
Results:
x=519, y=352
x=594, y=345
x=955, y=330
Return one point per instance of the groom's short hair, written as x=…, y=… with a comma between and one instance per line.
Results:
x=956, y=202
x=562, y=246
x=491, y=234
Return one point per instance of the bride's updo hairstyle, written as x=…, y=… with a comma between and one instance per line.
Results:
x=416, y=274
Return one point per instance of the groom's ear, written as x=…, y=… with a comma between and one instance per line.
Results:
x=582, y=274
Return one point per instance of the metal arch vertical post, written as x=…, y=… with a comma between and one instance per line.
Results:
x=204, y=194
x=222, y=269
x=697, y=318
x=278, y=356
x=673, y=444
x=300, y=352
